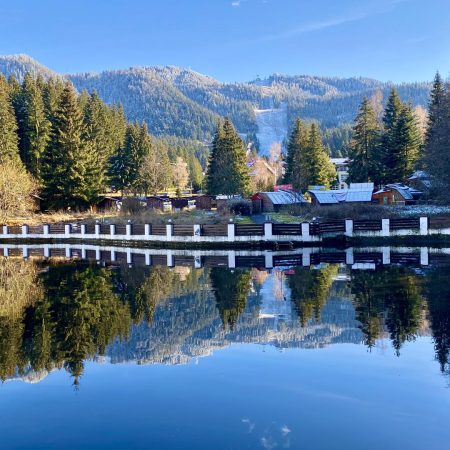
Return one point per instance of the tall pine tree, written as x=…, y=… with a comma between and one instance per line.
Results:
x=365, y=146
x=319, y=170
x=228, y=172
x=8, y=126
x=297, y=156
x=69, y=164
x=34, y=125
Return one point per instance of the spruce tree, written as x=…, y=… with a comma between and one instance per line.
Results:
x=320, y=170
x=391, y=153
x=35, y=127
x=68, y=161
x=126, y=162
x=297, y=156
x=409, y=144
x=437, y=111
x=228, y=172
x=9, y=150
x=365, y=145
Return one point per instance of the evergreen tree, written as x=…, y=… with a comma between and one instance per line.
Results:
x=408, y=145
x=35, y=127
x=437, y=154
x=319, y=168
x=69, y=164
x=297, y=157
x=228, y=172
x=364, y=165
x=9, y=150
x=126, y=162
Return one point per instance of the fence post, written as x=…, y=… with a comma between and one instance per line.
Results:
x=25, y=252
x=113, y=255
x=169, y=231
x=46, y=230
x=5, y=229
x=231, y=231
x=24, y=230
x=349, y=227
x=349, y=257
x=197, y=260
x=385, y=227
x=67, y=230
x=97, y=254
x=128, y=229
x=68, y=252
x=148, y=259
x=424, y=226
x=112, y=229
x=6, y=251
x=268, y=231
x=170, y=262
x=197, y=232
x=147, y=229
x=268, y=260
x=97, y=229
x=306, y=257
x=386, y=255
x=305, y=232
x=83, y=229
x=129, y=257
x=424, y=256
x=232, y=259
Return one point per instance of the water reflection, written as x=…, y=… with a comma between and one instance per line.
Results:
x=61, y=314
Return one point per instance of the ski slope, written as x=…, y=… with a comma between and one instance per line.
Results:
x=272, y=127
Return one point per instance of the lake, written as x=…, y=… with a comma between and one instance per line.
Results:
x=102, y=354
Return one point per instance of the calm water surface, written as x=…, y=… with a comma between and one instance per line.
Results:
x=320, y=357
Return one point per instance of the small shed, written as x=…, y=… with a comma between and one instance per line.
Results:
x=273, y=201
x=356, y=193
x=183, y=204
x=159, y=202
x=397, y=194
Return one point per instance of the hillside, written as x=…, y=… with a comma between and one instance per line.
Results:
x=184, y=103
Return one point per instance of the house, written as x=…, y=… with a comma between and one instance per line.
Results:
x=273, y=201
x=356, y=193
x=397, y=194
x=421, y=181
x=342, y=167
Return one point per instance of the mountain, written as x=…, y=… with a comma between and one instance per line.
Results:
x=184, y=103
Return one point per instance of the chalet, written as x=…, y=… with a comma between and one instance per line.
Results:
x=273, y=201
x=342, y=167
x=356, y=193
x=397, y=194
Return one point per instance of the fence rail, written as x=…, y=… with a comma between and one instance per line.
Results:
x=226, y=232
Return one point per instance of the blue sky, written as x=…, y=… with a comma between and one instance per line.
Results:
x=235, y=40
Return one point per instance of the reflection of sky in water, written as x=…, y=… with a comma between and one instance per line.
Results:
x=325, y=390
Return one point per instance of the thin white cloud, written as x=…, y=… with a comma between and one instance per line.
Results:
x=378, y=7
x=236, y=4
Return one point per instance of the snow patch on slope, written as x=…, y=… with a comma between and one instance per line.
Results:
x=272, y=127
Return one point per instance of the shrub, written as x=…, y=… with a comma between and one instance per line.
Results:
x=17, y=189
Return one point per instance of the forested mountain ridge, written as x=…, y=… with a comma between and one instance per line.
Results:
x=184, y=103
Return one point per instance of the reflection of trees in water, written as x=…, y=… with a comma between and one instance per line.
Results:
x=19, y=289
x=231, y=289
x=77, y=312
x=309, y=290
x=394, y=295
x=438, y=294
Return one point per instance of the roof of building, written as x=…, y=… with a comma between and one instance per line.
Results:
x=408, y=193
x=419, y=175
x=340, y=161
x=358, y=192
x=284, y=197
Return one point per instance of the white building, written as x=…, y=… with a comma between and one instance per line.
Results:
x=341, y=165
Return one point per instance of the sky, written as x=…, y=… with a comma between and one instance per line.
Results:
x=235, y=40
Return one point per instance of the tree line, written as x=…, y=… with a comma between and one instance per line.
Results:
x=75, y=147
